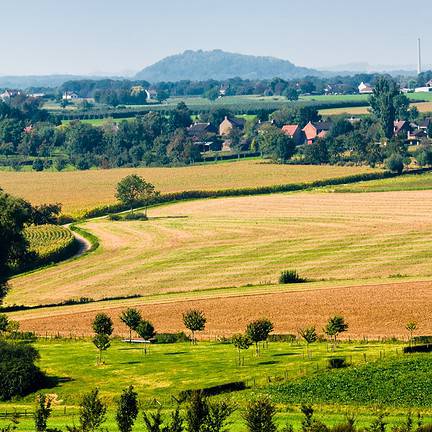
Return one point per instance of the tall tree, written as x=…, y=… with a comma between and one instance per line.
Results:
x=258, y=331
x=383, y=101
x=309, y=335
x=92, y=412
x=42, y=412
x=259, y=416
x=335, y=326
x=131, y=317
x=127, y=410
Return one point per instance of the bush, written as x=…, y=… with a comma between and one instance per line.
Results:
x=168, y=338
x=282, y=338
x=18, y=374
x=135, y=216
x=395, y=163
x=337, y=363
x=114, y=217
x=290, y=276
x=422, y=339
x=38, y=165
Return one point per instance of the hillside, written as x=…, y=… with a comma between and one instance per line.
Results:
x=202, y=65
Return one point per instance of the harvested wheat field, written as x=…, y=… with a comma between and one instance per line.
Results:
x=83, y=190
x=232, y=242
x=372, y=311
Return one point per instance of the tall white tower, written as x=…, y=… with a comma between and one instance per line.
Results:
x=419, y=65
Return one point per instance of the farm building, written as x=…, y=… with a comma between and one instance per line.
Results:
x=365, y=88
x=229, y=123
x=200, y=130
x=401, y=127
x=69, y=95
x=295, y=132
x=316, y=130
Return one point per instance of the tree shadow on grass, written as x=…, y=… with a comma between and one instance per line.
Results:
x=131, y=363
x=167, y=217
x=175, y=353
x=50, y=382
x=270, y=362
x=283, y=354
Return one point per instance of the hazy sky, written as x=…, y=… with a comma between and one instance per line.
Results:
x=114, y=36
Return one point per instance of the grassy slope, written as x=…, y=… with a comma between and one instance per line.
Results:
x=171, y=368
x=401, y=382
x=81, y=190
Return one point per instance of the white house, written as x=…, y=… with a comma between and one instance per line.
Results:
x=365, y=88
x=8, y=94
x=423, y=89
x=69, y=95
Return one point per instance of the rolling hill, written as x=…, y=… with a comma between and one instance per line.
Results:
x=217, y=64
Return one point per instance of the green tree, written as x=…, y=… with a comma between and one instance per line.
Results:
x=291, y=94
x=194, y=320
x=384, y=102
x=102, y=343
x=4, y=323
x=258, y=331
x=134, y=190
x=309, y=335
x=92, y=414
x=260, y=416
x=276, y=144
x=212, y=93
x=42, y=412
x=335, y=326
x=395, y=163
x=429, y=130
x=127, y=410
x=411, y=327
x=131, y=318
x=102, y=324
x=241, y=342
x=145, y=330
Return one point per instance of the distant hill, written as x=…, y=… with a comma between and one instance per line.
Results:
x=220, y=65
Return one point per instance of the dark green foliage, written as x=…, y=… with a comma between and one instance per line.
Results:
x=102, y=343
x=135, y=216
x=102, y=324
x=316, y=153
x=46, y=214
x=241, y=342
x=145, y=329
x=153, y=422
x=258, y=331
x=194, y=320
x=418, y=349
x=290, y=276
x=259, y=416
x=395, y=163
x=402, y=382
x=4, y=321
x=127, y=410
x=38, y=165
x=42, y=412
x=168, y=338
x=131, y=318
x=92, y=413
x=424, y=155
x=335, y=326
x=276, y=144
x=18, y=373
x=133, y=190
x=337, y=363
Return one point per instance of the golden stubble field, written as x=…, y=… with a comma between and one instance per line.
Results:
x=84, y=190
x=233, y=242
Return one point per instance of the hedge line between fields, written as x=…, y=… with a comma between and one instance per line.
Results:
x=261, y=190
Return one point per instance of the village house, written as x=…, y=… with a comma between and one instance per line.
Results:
x=365, y=88
x=295, y=133
x=424, y=125
x=8, y=94
x=313, y=131
x=401, y=127
x=230, y=123
x=69, y=95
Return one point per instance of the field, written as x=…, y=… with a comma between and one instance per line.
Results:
x=84, y=190
x=423, y=107
x=358, y=250
x=169, y=369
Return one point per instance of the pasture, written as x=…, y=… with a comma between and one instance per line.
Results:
x=169, y=369
x=83, y=190
x=423, y=107
x=358, y=250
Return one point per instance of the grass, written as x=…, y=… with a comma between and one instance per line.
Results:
x=169, y=369
x=101, y=121
x=83, y=190
x=423, y=107
x=400, y=382
x=409, y=182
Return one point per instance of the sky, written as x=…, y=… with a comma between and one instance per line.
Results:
x=121, y=37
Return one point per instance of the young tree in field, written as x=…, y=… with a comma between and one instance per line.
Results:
x=145, y=330
x=194, y=320
x=241, y=342
x=42, y=412
x=102, y=343
x=411, y=327
x=92, y=413
x=127, y=410
x=309, y=335
x=133, y=190
x=335, y=326
x=258, y=331
x=259, y=416
x=131, y=317
x=102, y=324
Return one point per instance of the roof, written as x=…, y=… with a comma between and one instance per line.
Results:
x=200, y=128
x=400, y=125
x=237, y=122
x=426, y=122
x=290, y=129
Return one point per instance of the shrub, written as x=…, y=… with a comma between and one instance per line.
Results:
x=282, y=338
x=169, y=338
x=114, y=217
x=395, y=163
x=337, y=363
x=135, y=216
x=38, y=165
x=290, y=276
x=18, y=374
x=418, y=349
